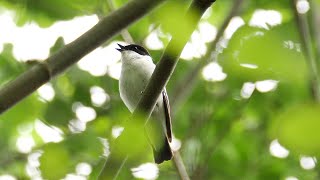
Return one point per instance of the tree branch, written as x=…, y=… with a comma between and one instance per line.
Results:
x=306, y=46
x=159, y=79
x=107, y=27
x=178, y=162
x=315, y=20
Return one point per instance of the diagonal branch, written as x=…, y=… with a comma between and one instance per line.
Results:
x=178, y=162
x=107, y=27
x=156, y=84
x=169, y=60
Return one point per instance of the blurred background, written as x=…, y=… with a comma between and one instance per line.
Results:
x=244, y=95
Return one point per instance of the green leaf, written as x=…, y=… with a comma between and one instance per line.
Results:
x=25, y=111
x=57, y=45
x=84, y=147
x=47, y=12
x=9, y=66
x=55, y=162
x=58, y=112
x=297, y=128
x=269, y=50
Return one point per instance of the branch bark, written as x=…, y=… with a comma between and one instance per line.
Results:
x=178, y=162
x=157, y=82
x=107, y=27
x=315, y=21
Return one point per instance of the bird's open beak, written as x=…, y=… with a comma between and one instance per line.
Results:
x=122, y=48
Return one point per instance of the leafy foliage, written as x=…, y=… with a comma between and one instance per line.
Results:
x=224, y=135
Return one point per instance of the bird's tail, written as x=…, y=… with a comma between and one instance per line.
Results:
x=163, y=154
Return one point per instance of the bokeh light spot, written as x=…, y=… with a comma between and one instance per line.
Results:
x=213, y=72
x=146, y=171
x=98, y=96
x=46, y=92
x=277, y=150
x=265, y=18
x=247, y=90
x=307, y=163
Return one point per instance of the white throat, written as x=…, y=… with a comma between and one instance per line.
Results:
x=130, y=56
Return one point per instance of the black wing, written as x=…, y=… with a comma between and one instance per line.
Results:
x=167, y=114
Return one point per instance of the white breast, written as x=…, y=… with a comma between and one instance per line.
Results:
x=135, y=74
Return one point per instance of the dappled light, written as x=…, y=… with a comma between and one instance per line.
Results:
x=153, y=41
x=247, y=90
x=291, y=178
x=83, y=169
x=74, y=176
x=175, y=144
x=42, y=39
x=303, y=6
x=213, y=72
x=99, y=96
x=234, y=24
x=146, y=171
x=48, y=133
x=196, y=47
x=308, y=162
x=265, y=18
x=242, y=79
x=116, y=131
x=277, y=150
x=266, y=85
x=32, y=167
x=251, y=66
x=114, y=71
x=7, y=177
x=84, y=113
x=106, y=147
x=207, y=31
x=99, y=61
x=46, y=92
x=77, y=126
x=25, y=143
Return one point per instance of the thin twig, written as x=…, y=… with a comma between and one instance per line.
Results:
x=178, y=162
x=119, y=170
x=306, y=46
x=124, y=33
x=315, y=20
x=185, y=86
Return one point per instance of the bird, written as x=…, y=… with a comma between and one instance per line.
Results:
x=136, y=70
